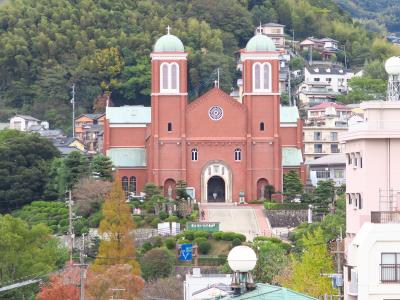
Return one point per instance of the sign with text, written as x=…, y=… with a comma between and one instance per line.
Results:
x=186, y=252
x=203, y=226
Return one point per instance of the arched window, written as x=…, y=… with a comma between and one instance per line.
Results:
x=124, y=181
x=195, y=154
x=174, y=76
x=169, y=77
x=238, y=154
x=257, y=76
x=164, y=76
x=266, y=77
x=262, y=126
x=169, y=127
x=132, y=184
x=262, y=77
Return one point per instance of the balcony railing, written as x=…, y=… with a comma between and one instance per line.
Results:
x=390, y=273
x=384, y=217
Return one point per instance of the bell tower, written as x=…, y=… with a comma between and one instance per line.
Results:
x=261, y=97
x=168, y=102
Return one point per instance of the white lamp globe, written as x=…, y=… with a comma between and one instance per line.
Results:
x=392, y=65
x=242, y=259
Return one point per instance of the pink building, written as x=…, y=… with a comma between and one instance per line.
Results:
x=224, y=149
x=372, y=270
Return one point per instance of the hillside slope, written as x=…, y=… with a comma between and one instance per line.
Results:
x=385, y=12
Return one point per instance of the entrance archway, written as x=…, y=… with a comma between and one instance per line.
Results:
x=219, y=169
x=216, y=189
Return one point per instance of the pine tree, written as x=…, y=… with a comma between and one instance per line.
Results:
x=292, y=185
x=117, y=244
x=101, y=167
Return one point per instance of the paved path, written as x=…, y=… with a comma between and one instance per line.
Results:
x=246, y=219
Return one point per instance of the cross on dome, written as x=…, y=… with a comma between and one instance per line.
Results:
x=168, y=29
x=259, y=29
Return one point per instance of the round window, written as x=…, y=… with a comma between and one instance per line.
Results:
x=215, y=113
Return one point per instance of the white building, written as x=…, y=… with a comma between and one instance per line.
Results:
x=329, y=167
x=334, y=75
x=27, y=123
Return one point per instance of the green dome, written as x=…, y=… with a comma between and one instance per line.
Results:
x=260, y=43
x=169, y=43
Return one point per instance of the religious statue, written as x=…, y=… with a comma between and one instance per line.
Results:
x=169, y=192
x=215, y=195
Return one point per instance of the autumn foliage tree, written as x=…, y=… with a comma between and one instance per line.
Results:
x=100, y=285
x=116, y=229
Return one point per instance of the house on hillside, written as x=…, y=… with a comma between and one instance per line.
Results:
x=326, y=47
x=275, y=32
x=27, y=123
x=329, y=167
x=89, y=130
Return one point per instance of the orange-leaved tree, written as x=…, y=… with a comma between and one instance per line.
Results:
x=116, y=231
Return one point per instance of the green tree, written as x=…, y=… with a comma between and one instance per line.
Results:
x=27, y=252
x=292, y=185
x=101, y=167
x=156, y=263
x=181, y=190
x=24, y=164
x=364, y=89
x=324, y=194
x=116, y=226
x=150, y=189
x=305, y=271
x=272, y=259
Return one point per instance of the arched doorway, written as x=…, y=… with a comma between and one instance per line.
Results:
x=216, y=168
x=169, y=189
x=262, y=192
x=216, y=189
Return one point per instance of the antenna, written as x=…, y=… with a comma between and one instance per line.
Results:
x=73, y=110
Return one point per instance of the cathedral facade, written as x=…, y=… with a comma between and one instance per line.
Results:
x=225, y=149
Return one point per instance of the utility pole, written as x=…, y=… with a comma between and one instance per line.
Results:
x=218, y=77
x=289, y=88
x=82, y=266
x=294, y=51
x=339, y=260
x=345, y=56
x=70, y=226
x=73, y=110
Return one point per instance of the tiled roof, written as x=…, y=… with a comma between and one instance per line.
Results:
x=289, y=114
x=328, y=104
x=271, y=292
x=291, y=157
x=127, y=157
x=136, y=114
x=26, y=117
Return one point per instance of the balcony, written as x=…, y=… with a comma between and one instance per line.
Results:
x=390, y=273
x=385, y=217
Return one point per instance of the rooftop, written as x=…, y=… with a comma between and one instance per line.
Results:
x=272, y=25
x=330, y=159
x=324, y=105
x=289, y=114
x=26, y=117
x=291, y=157
x=136, y=114
x=271, y=292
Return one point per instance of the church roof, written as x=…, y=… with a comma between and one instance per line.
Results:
x=127, y=157
x=289, y=114
x=169, y=43
x=260, y=43
x=136, y=114
x=291, y=157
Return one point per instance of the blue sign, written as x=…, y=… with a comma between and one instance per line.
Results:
x=186, y=252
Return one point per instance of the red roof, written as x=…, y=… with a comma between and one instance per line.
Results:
x=324, y=105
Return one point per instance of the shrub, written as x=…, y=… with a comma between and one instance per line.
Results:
x=183, y=241
x=217, y=235
x=94, y=220
x=163, y=215
x=283, y=206
x=236, y=242
x=201, y=233
x=172, y=219
x=204, y=247
x=81, y=226
x=170, y=243
x=146, y=247
x=155, y=222
x=199, y=240
x=189, y=235
x=230, y=236
x=156, y=263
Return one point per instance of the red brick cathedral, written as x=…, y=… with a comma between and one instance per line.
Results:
x=226, y=149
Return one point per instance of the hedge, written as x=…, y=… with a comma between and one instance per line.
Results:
x=228, y=236
x=284, y=206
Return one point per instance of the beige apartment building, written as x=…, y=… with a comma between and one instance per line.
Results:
x=325, y=124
